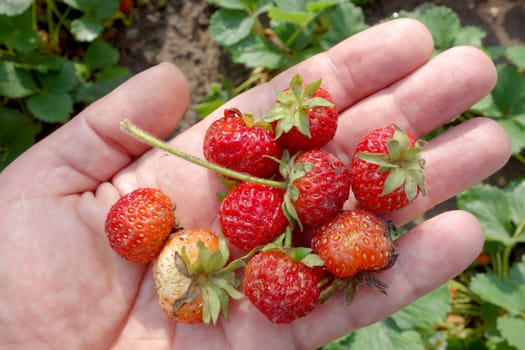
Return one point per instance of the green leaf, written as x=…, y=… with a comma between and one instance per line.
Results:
x=426, y=312
x=509, y=93
x=42, y=63
x=100, y=54
x=515, y=129
x=18, y=33
x=378, y=336
x=85, y=29
x=511, y=329
x=106, y=80
x=486, y=107
x=228, y=27
x=297, y=17
x=505, y=293
x=346, y=19
x=291, y=5
x=318, y=6
x=15, y=82
x=229, y=4
x=517, y=273
x=17, y=134
x=95, y=9
x=14, y=7
x=51, y=107
x=217, y=95
x=255, y=52
x=470, y=35
x=516, y=54
x=444, y=24
x=492, y=208
x=61, y=80
x=495, y=52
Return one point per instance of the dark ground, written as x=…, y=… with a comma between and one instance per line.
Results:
x=178, y=33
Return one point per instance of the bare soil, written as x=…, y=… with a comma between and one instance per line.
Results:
x=178, y=32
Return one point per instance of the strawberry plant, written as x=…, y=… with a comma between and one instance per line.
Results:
x=269, y=36
x=410, y=328
x=53, y=62
x=506, y=103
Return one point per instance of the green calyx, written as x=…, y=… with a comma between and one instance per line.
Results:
x=303, y=255
x=403, y=164
x=291, y=109
x=292, y=172
x=212, y=277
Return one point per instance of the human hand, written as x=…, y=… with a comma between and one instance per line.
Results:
x=63, y=286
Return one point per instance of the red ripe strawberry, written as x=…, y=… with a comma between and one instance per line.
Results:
x=252, y=215
x=387, y=171
x=303, y=118
x=138, y=224
x=126, y=6
x=281, y=287
x=192, y=280
x=354, y=241
x=320, y=185
x=236, y=142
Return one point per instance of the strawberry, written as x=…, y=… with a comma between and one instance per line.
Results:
x=193, y=282
x=303, y=118
x=139, y=223
x=126, y=6
x=354, y=241
x=252, y=215
x=319, y=186
x=352, y=244
x=387, y=169
x=236, y=142
x=282, y=287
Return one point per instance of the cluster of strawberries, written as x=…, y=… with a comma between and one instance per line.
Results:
x=284, y=207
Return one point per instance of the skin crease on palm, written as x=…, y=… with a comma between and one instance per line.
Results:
x=64, y=288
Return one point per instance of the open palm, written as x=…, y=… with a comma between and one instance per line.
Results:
x=62, y=287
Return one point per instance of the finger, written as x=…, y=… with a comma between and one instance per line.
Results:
x=91, y=147
x=429, y=97
x=456, y=160
x=429, y=255
x=355, y=68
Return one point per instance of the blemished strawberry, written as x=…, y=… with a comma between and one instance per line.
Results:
x=353, y=244
x=303, y=117
x=139, y=223
x=281, y=287
x=193, y=282
x=354, y=241
x=387, y=169
x=319, y=187
x=237, y=142
x=252, y=214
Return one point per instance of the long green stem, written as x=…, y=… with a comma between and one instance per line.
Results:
x=155, y=142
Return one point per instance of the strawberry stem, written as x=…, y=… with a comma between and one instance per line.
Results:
x=151, y=140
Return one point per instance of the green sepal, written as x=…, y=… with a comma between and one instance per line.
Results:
x=403, y=164
x=291, y=107
x=291, y=172
x=305, y=256
x=213, y=277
